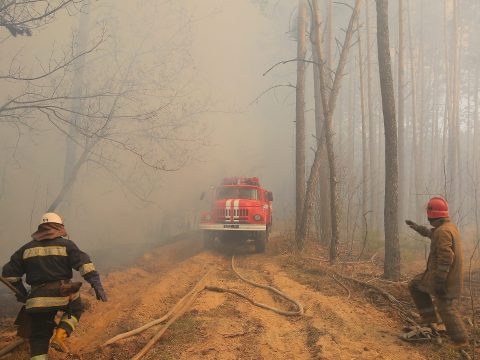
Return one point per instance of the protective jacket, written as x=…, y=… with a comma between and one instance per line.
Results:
x=445, y=261
x=47, y=264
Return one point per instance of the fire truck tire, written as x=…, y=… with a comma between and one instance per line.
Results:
x=260, y=241
x=208, y=240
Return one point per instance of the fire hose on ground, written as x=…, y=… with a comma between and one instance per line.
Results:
x=186, y=302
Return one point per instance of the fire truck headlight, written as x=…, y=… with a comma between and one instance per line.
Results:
x=257, y=217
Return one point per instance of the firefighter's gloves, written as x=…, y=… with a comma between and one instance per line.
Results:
x=94, y=281
x=21, y=288
x=422, y=230
x=440, y=284
x=413, y=225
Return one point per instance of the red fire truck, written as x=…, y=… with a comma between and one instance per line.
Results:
x=240, y=210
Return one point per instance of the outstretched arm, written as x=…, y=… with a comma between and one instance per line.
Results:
x=422, y=230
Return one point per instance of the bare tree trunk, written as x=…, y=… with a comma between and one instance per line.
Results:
x=322, y=203
x=457, y=174
x=300, y=114
x=415, y=122
x=351, y=122
x=78, y=86
x=401, y=114
x=325, y=218
x=67, y=186
x=476, y=127
x=371, y=124
x=435, y=149
x=392, y=246
x=361, y=65
x=350, y=155
x=420, y=172
x=448, y=103
x=476, y=152
x=469, y=135
x=328, y=109
x=454, y=121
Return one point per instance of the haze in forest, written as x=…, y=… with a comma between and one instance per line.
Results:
x=200, y=68
x=220, y=76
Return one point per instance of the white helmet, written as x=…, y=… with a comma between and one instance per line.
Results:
x=51, y=218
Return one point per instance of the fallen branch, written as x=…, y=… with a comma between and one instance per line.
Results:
x=234, y=335
x=406, y=314
x=11, y=346
x=316, y=259
x=343, y=262
x=342, y=285
x=397, y=304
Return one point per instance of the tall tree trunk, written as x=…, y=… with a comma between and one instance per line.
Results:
x=435, y=149
x=457, y=174
x=401, y=114
x=352, y=94
x=371, y=123
x=361, y=66
x=476, y=152
x=476, y=127
x=422, y=123
x=415, y=123
x=322, y=204
x=454, y=121
x=325, y=218
x=392, y=246
x=78, y=86
x=447, y=110
x=300, y=114
x=328, y=102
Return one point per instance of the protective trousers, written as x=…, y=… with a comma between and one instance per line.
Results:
x=445, y=307
x=43, y=324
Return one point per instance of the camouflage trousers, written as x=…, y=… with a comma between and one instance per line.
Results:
x=445, y=307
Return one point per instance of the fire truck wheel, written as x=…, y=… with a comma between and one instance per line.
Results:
x=208, y=240
x=260, y=241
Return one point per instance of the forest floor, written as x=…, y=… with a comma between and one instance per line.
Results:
x=343, y=320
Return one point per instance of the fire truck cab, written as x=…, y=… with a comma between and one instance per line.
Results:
x=240, y=210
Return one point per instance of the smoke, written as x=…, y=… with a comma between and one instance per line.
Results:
x=213, y=56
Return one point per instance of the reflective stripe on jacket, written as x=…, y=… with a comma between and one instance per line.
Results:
x=45, y=261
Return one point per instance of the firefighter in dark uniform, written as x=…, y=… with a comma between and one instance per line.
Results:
x=47, y=261
x=443, y=278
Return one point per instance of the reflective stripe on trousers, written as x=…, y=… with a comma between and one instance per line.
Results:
x=40, y=357
x=71, y=321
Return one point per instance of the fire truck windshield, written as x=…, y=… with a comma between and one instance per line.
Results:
x=237, y=193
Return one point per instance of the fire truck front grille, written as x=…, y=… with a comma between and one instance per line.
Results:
x=240, y=213
x=225, y=215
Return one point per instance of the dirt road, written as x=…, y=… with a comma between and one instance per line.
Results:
x=223, y=326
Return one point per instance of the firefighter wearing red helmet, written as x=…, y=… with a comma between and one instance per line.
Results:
x=443, y=278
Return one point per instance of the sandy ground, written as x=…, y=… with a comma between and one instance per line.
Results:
x=223, y=326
